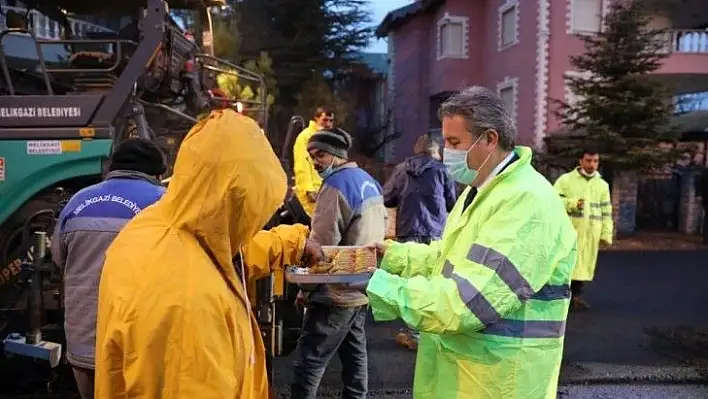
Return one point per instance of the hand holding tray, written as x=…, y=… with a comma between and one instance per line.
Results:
x=342, y=265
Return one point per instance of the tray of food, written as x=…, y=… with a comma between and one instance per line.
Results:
x=341, y=265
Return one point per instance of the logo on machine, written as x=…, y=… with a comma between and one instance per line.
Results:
x=40, y=112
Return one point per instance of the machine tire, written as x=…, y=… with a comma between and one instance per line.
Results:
x=11, y=240
x=9, y=244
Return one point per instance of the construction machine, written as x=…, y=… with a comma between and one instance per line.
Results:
x=64, y=110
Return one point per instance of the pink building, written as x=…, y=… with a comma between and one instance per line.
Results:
x=519, y=48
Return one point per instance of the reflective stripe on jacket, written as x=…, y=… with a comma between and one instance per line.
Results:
x=306, y=177
x=491, y=297
x=86, y=227
x=593, y=223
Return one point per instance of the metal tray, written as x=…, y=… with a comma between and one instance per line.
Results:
x=299, y=275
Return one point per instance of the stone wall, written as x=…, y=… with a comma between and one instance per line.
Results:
x=624, y=203
x=690, y=209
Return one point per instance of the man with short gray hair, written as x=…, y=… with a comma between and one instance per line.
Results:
x=491, y=297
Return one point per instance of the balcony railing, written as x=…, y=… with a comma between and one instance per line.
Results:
x=690, y=41
x=48, y=29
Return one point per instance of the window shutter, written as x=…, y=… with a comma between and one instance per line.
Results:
x=571, y=98
x=451, y=39
x=587, y=15
x=509, y=26
x=454, y=39
x=507, y=95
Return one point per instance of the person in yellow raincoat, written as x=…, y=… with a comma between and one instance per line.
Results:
x=491, y=297
x=307, y=180
x=586, y=196
x=174, y=319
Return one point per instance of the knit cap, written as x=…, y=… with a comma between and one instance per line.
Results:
x=139, y=155
x=332, y=141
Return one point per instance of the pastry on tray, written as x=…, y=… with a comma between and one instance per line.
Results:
x=342, y=260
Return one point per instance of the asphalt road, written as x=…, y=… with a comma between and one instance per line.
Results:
x=652, y=391
x=633, y=294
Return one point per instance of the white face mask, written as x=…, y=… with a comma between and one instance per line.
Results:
x=456, y=163
x=586, y=174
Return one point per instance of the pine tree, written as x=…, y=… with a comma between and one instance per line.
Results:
x=620, y=110
x=304, y=37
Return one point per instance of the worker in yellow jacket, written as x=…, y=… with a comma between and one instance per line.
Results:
x=307, y=180
x=174, y=318
x=587, y=200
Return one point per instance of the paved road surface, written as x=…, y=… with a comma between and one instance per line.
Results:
x=634, y=392
x=633, y=292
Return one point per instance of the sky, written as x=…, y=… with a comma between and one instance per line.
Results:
x=380, y=8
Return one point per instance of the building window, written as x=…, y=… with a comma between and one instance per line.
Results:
x=572, y=98
x=507, y=90
x=452, y=37
x=508, y=24
x=585, y=16
x=507, y=94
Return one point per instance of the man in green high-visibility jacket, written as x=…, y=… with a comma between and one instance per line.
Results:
x=491, y=297
x=586, y=197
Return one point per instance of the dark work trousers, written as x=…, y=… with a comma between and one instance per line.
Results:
x=576, y=287
x=84, y=382
x=328, y=330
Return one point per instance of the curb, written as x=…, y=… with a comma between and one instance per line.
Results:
x=604, y=373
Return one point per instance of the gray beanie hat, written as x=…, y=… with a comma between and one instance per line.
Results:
x=335, y=141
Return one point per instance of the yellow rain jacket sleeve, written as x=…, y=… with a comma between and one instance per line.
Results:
x=306, y=177
x=270, y=251
x=571, y=203
x=173, y=315
x=592, y=223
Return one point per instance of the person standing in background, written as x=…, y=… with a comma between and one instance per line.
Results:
x=85, y=229
x=307, y=181
x=423, y=193
x=586, y=196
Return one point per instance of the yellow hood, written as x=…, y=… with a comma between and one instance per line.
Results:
x=227, y=183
